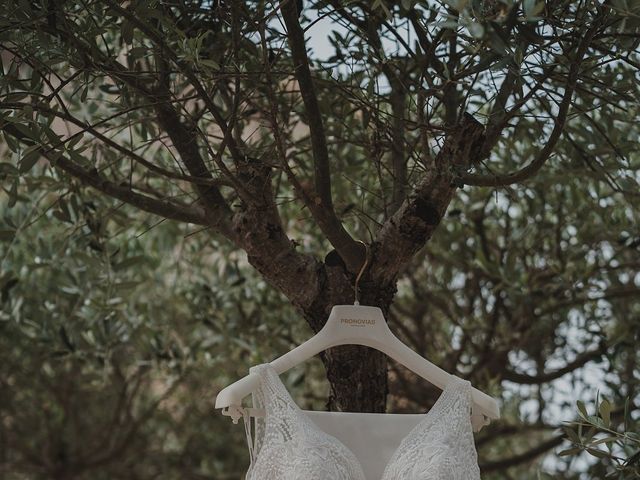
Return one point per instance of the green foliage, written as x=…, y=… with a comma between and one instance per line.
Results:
x=118, y=327
x=114, y=342
x=610, y=435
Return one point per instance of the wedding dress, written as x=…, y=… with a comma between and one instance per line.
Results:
x=288, y=445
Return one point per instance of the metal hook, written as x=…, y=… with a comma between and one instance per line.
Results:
x=366, y=262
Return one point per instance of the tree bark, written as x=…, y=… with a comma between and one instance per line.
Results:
x=358, y=379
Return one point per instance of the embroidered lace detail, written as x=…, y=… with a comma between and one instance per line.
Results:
x=289, y=446
x=441, y=446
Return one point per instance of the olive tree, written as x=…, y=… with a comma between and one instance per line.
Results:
x=219, y=116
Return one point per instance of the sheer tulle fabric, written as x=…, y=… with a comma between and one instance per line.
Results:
x=289, y=446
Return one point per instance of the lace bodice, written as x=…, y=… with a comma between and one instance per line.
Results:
x=289, y=445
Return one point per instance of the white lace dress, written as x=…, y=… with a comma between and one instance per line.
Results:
x=289, y=446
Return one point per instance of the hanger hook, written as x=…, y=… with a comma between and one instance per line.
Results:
x=366, y=262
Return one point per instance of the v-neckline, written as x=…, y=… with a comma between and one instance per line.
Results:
x=439, y=405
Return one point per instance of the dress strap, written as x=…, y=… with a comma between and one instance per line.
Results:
x=246, y=419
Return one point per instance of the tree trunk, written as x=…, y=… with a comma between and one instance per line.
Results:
x=358, y=379
x=357, y=375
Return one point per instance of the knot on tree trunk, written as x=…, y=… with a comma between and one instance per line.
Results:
x=462, y=146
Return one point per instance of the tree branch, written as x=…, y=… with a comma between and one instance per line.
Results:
x=407, y=231
x=185, y=142
x=546, y=377
x=215, y=206
x=563, y=110
x=92, y=130
x=398, y=159
x=92, y=178
x=303, y=75
x=524, y=457
x=349, y=250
